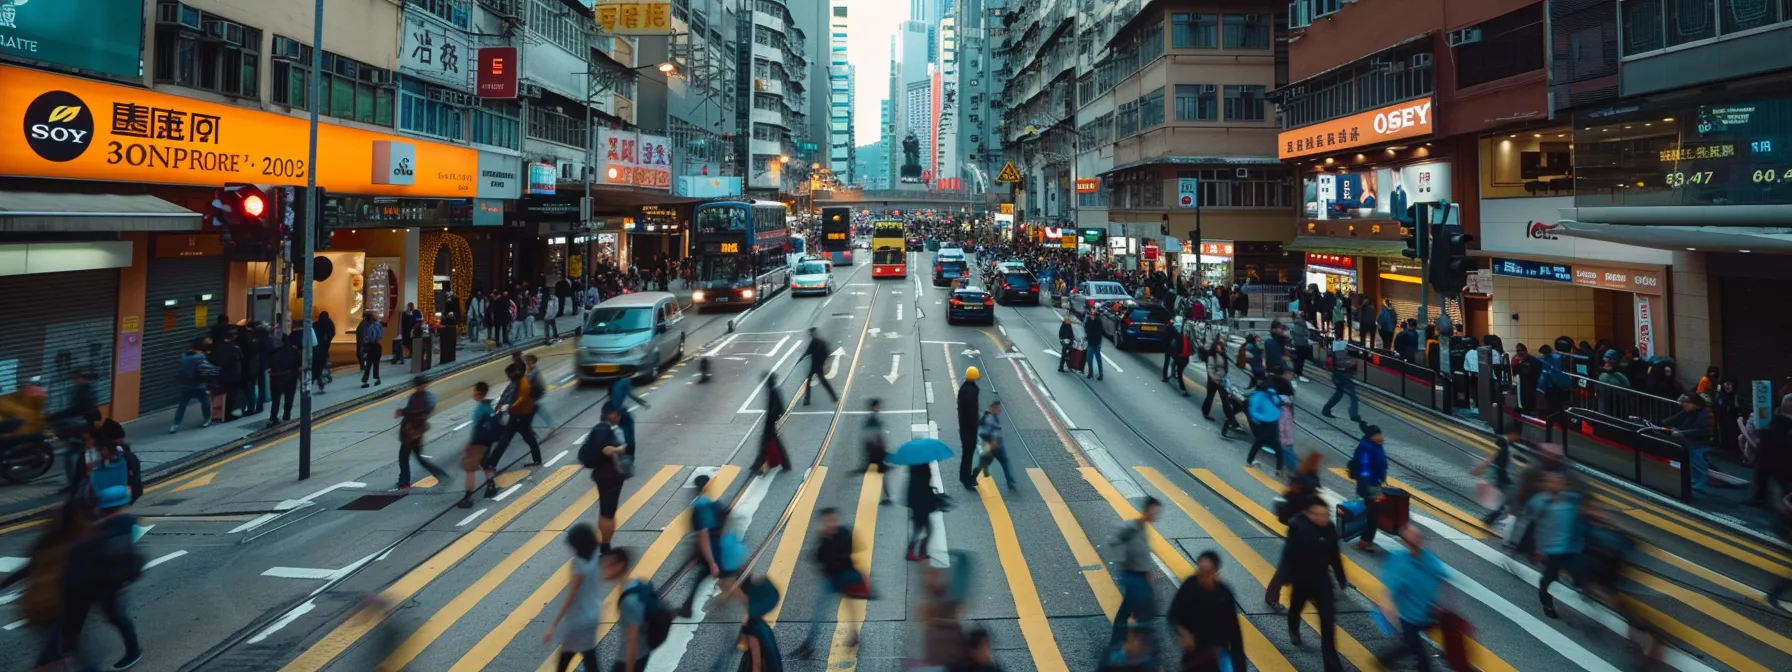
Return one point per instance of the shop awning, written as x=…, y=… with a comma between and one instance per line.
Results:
x=1354, y=247
x=42, y=212
x=1772, y=240
x=1195, y=161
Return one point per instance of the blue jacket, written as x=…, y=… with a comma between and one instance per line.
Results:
x=1265, y=407
x=1553, y=375
x=1559, y=526
x=1413, y=584
x=1385, y=320
x=1369, y=466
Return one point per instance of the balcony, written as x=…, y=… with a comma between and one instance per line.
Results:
x=772, y=117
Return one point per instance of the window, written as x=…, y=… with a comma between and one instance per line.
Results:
x=546, y=124
x=1247, y=31
x=1127, y=119
x=839, y=11
x=1194, y=31
x=1151, y=42
x=1197, y=102
x=552, y=20
x=1099, y=199
x=1690, y=21
x=1104, y=130
x=1151, y=109
x=1256, y=188
x=351, y=89
x=453, y=11
x=291, y=68
x=432, y=110
x=1641, y=25
x=497, y=123
x=1244, y=102
x=1391, y=76
x=1510, y=45
x=220, y=55
x=1650, y=25
x=1085, y=89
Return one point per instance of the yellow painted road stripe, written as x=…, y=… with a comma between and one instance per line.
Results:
x=1033, y=624
x=646, y=566
x=1366, y=583
x=1696, y=638
x=1712, y=543
x=1095, y=571
x=26, y=525
x=1261, y=652
x=843, y=652
x=1702, y=571
x=1715, y=610
x=365, y=619
x=1247, y=557
x=200, y=482
x=790, y=545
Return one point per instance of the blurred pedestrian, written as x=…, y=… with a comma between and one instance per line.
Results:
x=922, y=502
x=41, y=603
x=977, y=657
x=1217, y=367
x=1692, y=427
x=1561, y=535
x=840, y=576
x=989, y=437
x=640, y=617
x=1308, y=556
x=771, y=446
x=1180, y=349
x=518, y=402
x=876, y=450
x=323, y=332
x=756, y=637
x=574, y=628
x=486, y=427
x=1264, y=408
x=1369, y=468
x=1205, y=615
x=413, y=423
x=1137, y=601
x=611, y=461
x=1338, y=362
x=100, y=565
x=817, y=354
x=707, y=518
x=1413, y=579
x=1496, y=472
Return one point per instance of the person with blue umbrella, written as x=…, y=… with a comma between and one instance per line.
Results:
x=917, y=455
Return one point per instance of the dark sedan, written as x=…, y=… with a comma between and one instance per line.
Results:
x=971, y=303
x=1013, y=287
x=1138, y=322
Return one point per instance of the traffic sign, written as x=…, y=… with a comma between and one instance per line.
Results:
x=1009, y=173
x=1185, y=192
x=1149, y=252
x=1007, y=208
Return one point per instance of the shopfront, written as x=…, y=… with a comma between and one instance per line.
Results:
x=58, y=299
x=656, y=235
x=1334, y=273
x=1213, y=263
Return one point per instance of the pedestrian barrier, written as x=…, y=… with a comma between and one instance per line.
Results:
x=1386, y=371
x=1622, y=449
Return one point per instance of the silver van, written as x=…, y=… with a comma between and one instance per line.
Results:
x=631, y=335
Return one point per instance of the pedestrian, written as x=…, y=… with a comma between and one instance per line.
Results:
x=1365, y=322
x=968, y=417
x=977, y=656
x=101, y=564
x=1339, y=363
x=1692, y=427
x=1309, y=565
x=1205, y=615
x=622, y=390
x=373, y=331
x=817, y=354
x=1413, y=579
x=840, y=576
x=1066, y=343
x=1369, y=468
x=1300, y=342
x=518, y=402
x=1180, y=349
x=1496, y=471
x=1340, y=315
x=643, y=621
x=486, y=427
x=1093, y=332
x=707, y=520
x=544, y=311
x=283, y=381
x=1264, y=409
x=756, y=636
x=574, y=628
x=1218, y=365
x=771, y=447
x=922, y=502
x=476, y=309
x=193, y=385
x=257, y=345
x=1384, y=324
x=323, y=332
x=539, y=388
x=409, y=323
x=989, y=435
x=1137, y=602
x=1561, y=535
x=611, y=461
x=876, y=450
x=228, y=357
x=1250, y=358
x=41, y=603
x=1283, y=381
x=413, y=424
x=1406, y=343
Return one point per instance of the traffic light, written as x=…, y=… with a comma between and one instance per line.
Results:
x=243, y=216
x=1457, y=263
x=295, y=223
x=1415, y=249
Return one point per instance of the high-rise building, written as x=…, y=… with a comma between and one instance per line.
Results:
x=813, y=18
x=978, y=31
x=842, y=140
x=945, y=153
x=772, y=95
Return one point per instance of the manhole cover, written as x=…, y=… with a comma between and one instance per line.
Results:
x=370, y=502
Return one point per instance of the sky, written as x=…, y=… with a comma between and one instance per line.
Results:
x=870, y=24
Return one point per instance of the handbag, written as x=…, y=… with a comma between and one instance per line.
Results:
x=1488, y=495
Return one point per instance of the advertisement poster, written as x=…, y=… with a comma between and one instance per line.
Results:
x=1645, y=328
x=1378, y=193
x=1761, y=392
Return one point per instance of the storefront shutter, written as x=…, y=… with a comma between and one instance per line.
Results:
x=57, y=324
x=168, y=330
x=1406, y=297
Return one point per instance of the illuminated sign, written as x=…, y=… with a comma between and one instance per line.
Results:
x=729, y=248
x=1067, y=242
x=86, y=130
x=1697, y=153
x=638, y=160
x=1332, y=260
x=544, y=179
x=836, y=235
x=1006, y=209
x=1535, y=270
x=497, y=72
x=1088, y=185
x=1394, y=122
x=619, y=17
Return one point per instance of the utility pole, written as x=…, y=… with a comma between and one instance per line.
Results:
x=313, y=220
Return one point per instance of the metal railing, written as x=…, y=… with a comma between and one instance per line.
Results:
x=1619, y=403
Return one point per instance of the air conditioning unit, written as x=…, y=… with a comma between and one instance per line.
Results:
x=568, y=170
x=1458, y=38
x=1242, y=173
x=1421, y=60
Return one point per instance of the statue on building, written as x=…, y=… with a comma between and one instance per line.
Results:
x=911, y=159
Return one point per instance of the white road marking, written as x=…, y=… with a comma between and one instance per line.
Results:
x=283, y=621
x=15, y=625
x=461, y=426
x=310, y=573
x=834, y=361
x=937, y=549
x=137, y=532
x=463, y=522
x=1002, y=329
x=290, y=505
x=944, y=343
x=1112, y=365
x=10, y=597
x=929, y=387
x=1563, y=594
x=163, y=559
x=830, y=413
x=507, y=492
x=554, y=461
x=683, y=629
x=10, y=564
x=895, y=368
x=899, y=311
x=775, y=367
x=1051, y=352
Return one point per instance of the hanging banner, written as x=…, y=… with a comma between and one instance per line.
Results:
x=1645, y=328
x=434, y=51
x=619, y=17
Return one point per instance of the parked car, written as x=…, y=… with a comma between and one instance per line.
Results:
x=635, y=334
x=971, y=303
x=1087, y=295
x=1132, y=323
x=1013, y=287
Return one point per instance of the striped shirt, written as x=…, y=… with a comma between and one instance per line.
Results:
x=989, y=429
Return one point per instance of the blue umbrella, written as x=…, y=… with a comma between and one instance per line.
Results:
x=920, y=451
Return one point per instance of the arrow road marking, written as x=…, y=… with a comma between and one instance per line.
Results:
x=163, y=559
x=290, y=616
x=834, y=361
x=895, y=368
x=968, y=352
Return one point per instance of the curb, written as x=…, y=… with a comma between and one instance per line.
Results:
x=194, y=461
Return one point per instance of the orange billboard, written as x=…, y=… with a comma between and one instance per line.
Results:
x=82, y=129
x=1412, y=118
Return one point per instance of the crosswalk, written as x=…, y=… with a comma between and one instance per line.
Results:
x=1049, y=572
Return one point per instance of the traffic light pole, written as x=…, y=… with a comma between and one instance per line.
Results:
x=1421, y=223
x=313, y=217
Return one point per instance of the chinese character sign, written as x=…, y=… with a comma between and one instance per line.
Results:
x=620, y=17
x=653, y=163
x=435, y=51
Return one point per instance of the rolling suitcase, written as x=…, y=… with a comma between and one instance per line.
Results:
x=1352, y=519
x=1392, y=510
x=1075, y=358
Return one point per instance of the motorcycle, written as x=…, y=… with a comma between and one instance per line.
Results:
x=23, y=457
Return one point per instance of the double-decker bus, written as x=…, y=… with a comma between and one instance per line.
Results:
x=740, y=252
x=835, y=244
x=889, y=249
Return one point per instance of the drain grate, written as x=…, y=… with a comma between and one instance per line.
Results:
x=370, y=502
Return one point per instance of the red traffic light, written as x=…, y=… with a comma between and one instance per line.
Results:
x=253, y=205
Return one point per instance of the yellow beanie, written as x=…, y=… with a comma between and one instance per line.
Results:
x=972, y=373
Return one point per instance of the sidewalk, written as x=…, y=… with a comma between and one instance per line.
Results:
x=164, y=455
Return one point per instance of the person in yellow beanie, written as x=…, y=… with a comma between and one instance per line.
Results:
x=969, y=411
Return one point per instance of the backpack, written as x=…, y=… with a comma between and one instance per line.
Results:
x=656, y=618
x=591, y=454
x=1263, y=407
x=1243, y=361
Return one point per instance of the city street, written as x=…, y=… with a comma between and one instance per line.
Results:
x=251, y=569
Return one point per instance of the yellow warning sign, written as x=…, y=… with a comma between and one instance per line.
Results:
x=1007, y=208
x=1009, y=174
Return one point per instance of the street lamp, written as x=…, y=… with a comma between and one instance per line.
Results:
x=783, y=158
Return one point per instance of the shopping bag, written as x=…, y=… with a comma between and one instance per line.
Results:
x=1455, y=633
x=1489, y=496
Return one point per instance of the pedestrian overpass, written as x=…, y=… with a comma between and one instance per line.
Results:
x=883, y=201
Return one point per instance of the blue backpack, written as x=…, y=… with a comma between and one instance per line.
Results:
x=1264, y=407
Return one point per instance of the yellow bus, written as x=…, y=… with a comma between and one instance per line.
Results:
x=889, y=249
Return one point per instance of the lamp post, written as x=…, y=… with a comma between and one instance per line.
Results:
x=601, y=80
